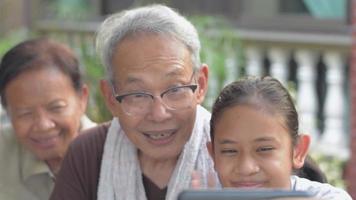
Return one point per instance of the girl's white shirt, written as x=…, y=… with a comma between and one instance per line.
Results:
x=322, y=191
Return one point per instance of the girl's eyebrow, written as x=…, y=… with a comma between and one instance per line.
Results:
x=260, y=139
x=227, y=141
x=265, y=139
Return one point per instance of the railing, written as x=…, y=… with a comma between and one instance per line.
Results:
x=315, y=64
x=76, y=34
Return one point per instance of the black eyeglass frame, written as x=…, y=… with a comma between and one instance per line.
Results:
x=119, y=98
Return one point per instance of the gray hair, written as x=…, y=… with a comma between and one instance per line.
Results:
x=158, y=19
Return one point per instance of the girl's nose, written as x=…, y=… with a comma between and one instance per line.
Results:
x=246, y=166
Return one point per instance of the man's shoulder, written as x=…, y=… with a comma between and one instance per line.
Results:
x=79, y=174
x=96, y=133
x=91, y=140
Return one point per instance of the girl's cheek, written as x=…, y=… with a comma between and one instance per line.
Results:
x=227, y=166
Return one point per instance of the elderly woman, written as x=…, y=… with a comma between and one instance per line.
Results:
x=45, y=98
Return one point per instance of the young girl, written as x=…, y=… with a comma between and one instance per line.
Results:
x=255, y=141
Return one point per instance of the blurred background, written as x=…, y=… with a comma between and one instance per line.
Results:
x=306, y=44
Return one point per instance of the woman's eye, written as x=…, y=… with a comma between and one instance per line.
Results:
x=24, y=114
x=57, y=108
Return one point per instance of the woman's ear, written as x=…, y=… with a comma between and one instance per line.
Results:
x=300, y=151
x=84, y=96
x=202, y=79
x=107, y=93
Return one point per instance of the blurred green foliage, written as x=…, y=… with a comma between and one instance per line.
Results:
x=212, y=41
x=220, y=45
x=9, y=40
x=93, y=73
x=69, y=9
x=333, y=168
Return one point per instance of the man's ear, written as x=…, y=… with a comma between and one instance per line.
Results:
x=202, y=79
x=107, y=93
x=300, y=151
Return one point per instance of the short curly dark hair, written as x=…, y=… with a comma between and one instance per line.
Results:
x=35, y=54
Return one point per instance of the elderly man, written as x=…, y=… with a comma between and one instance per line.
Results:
x=155, y=83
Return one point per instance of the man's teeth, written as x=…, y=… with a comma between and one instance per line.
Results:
x=159, y=136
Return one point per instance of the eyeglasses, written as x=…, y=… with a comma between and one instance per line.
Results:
x=139, y=103
x=175, y=98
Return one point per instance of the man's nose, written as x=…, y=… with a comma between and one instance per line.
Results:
x=158, y=111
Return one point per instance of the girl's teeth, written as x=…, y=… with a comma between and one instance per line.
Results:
x=159, y=136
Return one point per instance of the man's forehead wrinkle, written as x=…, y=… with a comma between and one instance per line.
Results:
x=137, y=75
x=160, y=60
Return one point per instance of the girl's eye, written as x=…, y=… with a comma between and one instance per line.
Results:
x=265, y=149
x=229, y=152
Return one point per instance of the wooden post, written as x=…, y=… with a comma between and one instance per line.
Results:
x=351, y=169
